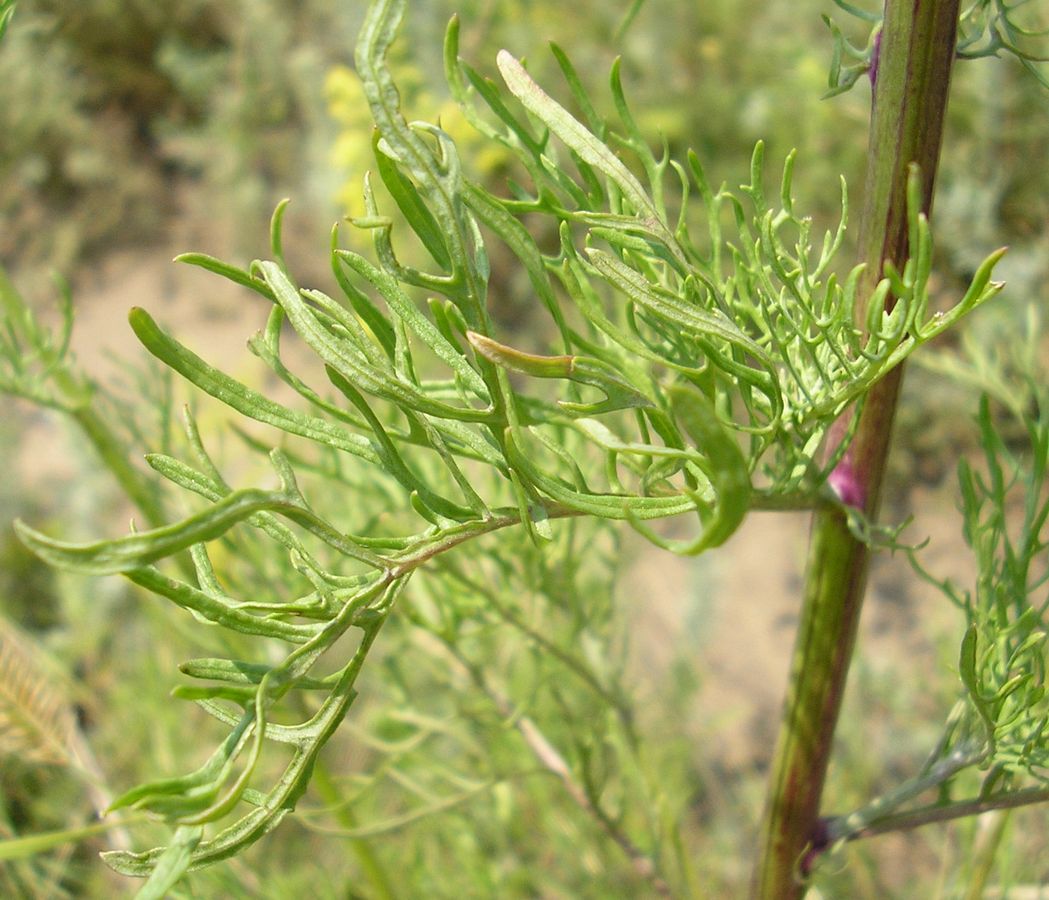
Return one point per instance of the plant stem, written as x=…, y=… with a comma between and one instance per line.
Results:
x=946, y=812
x=910, y=100
x=985, y=850
x=550, y=758
x=73, y=394
x=114, y=455
x=362, y=849
x=839, y=828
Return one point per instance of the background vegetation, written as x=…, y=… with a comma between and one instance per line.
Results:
x=139, y=120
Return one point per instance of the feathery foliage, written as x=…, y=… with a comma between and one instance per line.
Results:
x=706, y=343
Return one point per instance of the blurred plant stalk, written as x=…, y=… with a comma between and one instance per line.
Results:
x=911, y=83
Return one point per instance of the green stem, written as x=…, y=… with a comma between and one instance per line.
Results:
x=35, y=844
x=645, y=867
x=839, y=828
x=985, y=850
x=114, y=454
x=366, y=856
x=74, y=394
x=947, y=812
x=910, y=99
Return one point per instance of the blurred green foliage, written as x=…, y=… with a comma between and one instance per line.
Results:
x=125, y=103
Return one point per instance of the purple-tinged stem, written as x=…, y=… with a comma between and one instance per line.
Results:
x=915, y=52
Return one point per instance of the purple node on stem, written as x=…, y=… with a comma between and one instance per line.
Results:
x=847, y=484
x=818, y=842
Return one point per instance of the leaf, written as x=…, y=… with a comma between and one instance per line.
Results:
x=172, y=864
x=393, y=462
x=694, y=320
x=140, y=549
x=607, y=506
x=241, y=672
x=619, y=394
x=575, y=85
x=603, y=436
x=408, y=312
x=967, y=668
x=590, y=149
x=493, y=214
x=240, y=397
x=438, y=178
x=227, y=271
x=282, y=798
x=213, y=610
x=728, y=470
x=356, y=370
x=411, y=205
x=35, y=844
